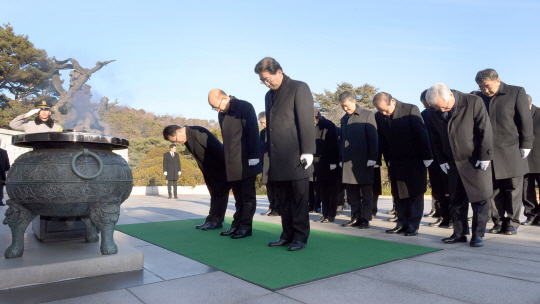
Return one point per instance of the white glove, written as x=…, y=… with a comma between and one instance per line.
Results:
x=445, y=167
x=32, y=112
x=179, y=172
x=308, y=158
x=332, y=166
x=484, y=164
x=525, y=152
x=371, y=163
x=376, y=166
x=428, y=162
x=341, y=164
x=253, y=162
x=165, y=173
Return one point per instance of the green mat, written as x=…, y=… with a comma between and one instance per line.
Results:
x=251, y=259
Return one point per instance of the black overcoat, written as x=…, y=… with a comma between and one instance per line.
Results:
x=289, y=121
x=4, y=165
x=171, y=165
x=466, y=138
x=404, y=142
x=534, y=156
x=208, y=153
x=264, y=155
x=512, y=129
x=240, y=140
x=327, y=151
x=359, y=143
x=437, y=178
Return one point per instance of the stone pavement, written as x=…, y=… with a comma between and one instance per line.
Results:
x=505, y=270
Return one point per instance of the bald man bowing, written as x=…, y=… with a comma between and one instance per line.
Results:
x=241, y=145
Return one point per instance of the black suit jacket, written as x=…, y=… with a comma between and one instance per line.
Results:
x=512, y=129
x=327, y=150
x=208, y=153
x=405, y=144
x=289, y=122
x=4, y=165
x=534, y=156
x=171, y=165
x=240, y=140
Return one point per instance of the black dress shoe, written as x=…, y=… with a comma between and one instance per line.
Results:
x=436, y=223
x=364, y=225
x=202, y=225
x=393, y=219
x=350, y=223
x=391, y=212
x=176, y=197
x=296, y=245
x=279, y=243
x=170, y=197
x=397, y=230
x=511, y=230
x=240, y=233
x=430, y=214
x=267, y=212
x=446, y=224
x=455, y=238
x=328, y=220
x=274, y=213
x=229, y=232
x=529, y=221
x=321, y=219
x=495, y=229
x=212, y=225
x=476, y=241
x=411, y=232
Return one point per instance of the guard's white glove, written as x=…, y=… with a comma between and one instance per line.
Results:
x=428, y=162
x=484, y=164
x=179, y=172
x=341, y=164
x=253, y=162
x=165, y=173
x=308, y=158
x=333, y=166
x=371, y=163
x=32, y=112
x=376, y=166
x=525, y=152
x=445, y=167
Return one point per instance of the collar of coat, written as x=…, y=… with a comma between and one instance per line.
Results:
x=49, y=122
x=503, y=89
x=397, y=111
x=233, y=103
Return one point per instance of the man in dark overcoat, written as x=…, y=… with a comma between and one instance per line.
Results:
x=289, y=119
x=438, y=180
x=359, y=151
x=4, y=168
x=273, y=208
x=530, y=202
x=325, y=161
x=241, y=145
x=341, y=186
x=172, y=169
x=208, y=153
x=404, y=143
x=513, y=137
x=462, y=138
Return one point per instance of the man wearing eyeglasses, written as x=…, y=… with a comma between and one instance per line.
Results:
x=291, y=139
x=241, y=145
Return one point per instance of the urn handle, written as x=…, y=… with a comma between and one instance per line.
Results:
x=85, y=152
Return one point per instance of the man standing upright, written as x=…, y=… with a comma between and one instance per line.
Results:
x=241, y=145
x=462, y=142
x=42, y=123
x=291, y=136
x=404, y=143
x=513, y=137
x=4, y=168
x=172, y=169
x=359, y=151
x=530, y=202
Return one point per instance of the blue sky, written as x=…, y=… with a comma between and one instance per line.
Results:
x=169, y=54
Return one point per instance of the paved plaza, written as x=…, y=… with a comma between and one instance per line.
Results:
x=505, y=270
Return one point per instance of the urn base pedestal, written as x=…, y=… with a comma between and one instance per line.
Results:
x=48, y=229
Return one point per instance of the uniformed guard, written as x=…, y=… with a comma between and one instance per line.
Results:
x=42, y=123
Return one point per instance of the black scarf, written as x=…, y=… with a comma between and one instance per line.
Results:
x=49, y=122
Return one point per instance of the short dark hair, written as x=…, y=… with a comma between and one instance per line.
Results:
x=172, y=146
x=346, y=95
x=423, y=96
x=170, y=131
x=269, y=65
x=487, y=74
x=382, y=95
x=316, y=113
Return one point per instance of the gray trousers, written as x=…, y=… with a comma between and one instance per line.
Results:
x=506, y=201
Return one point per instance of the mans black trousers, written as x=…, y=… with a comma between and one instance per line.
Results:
x=361, y=199
x=328, y=192
x=530, y=202
x=219, y=199
x=174, y=185
x=314, y=196
x=507, y=199
x=459, y=206
x=246, y=202
x=409, y=211
x=293, y=199
x=270, y=192
x=439, y=189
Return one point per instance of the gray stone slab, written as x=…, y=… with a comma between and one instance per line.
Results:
x=126, y=220
x=352, y=288
x=272, y=298
x=120, y=237
x=169, y=265
x=486, y=263
x=121, y=296
x=214, y=287
x=56, y=261
x=465, y=285
x=517, y=252
x=76, y=288
x=148, y=215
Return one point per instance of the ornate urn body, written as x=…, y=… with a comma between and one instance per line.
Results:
x=68, y=174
